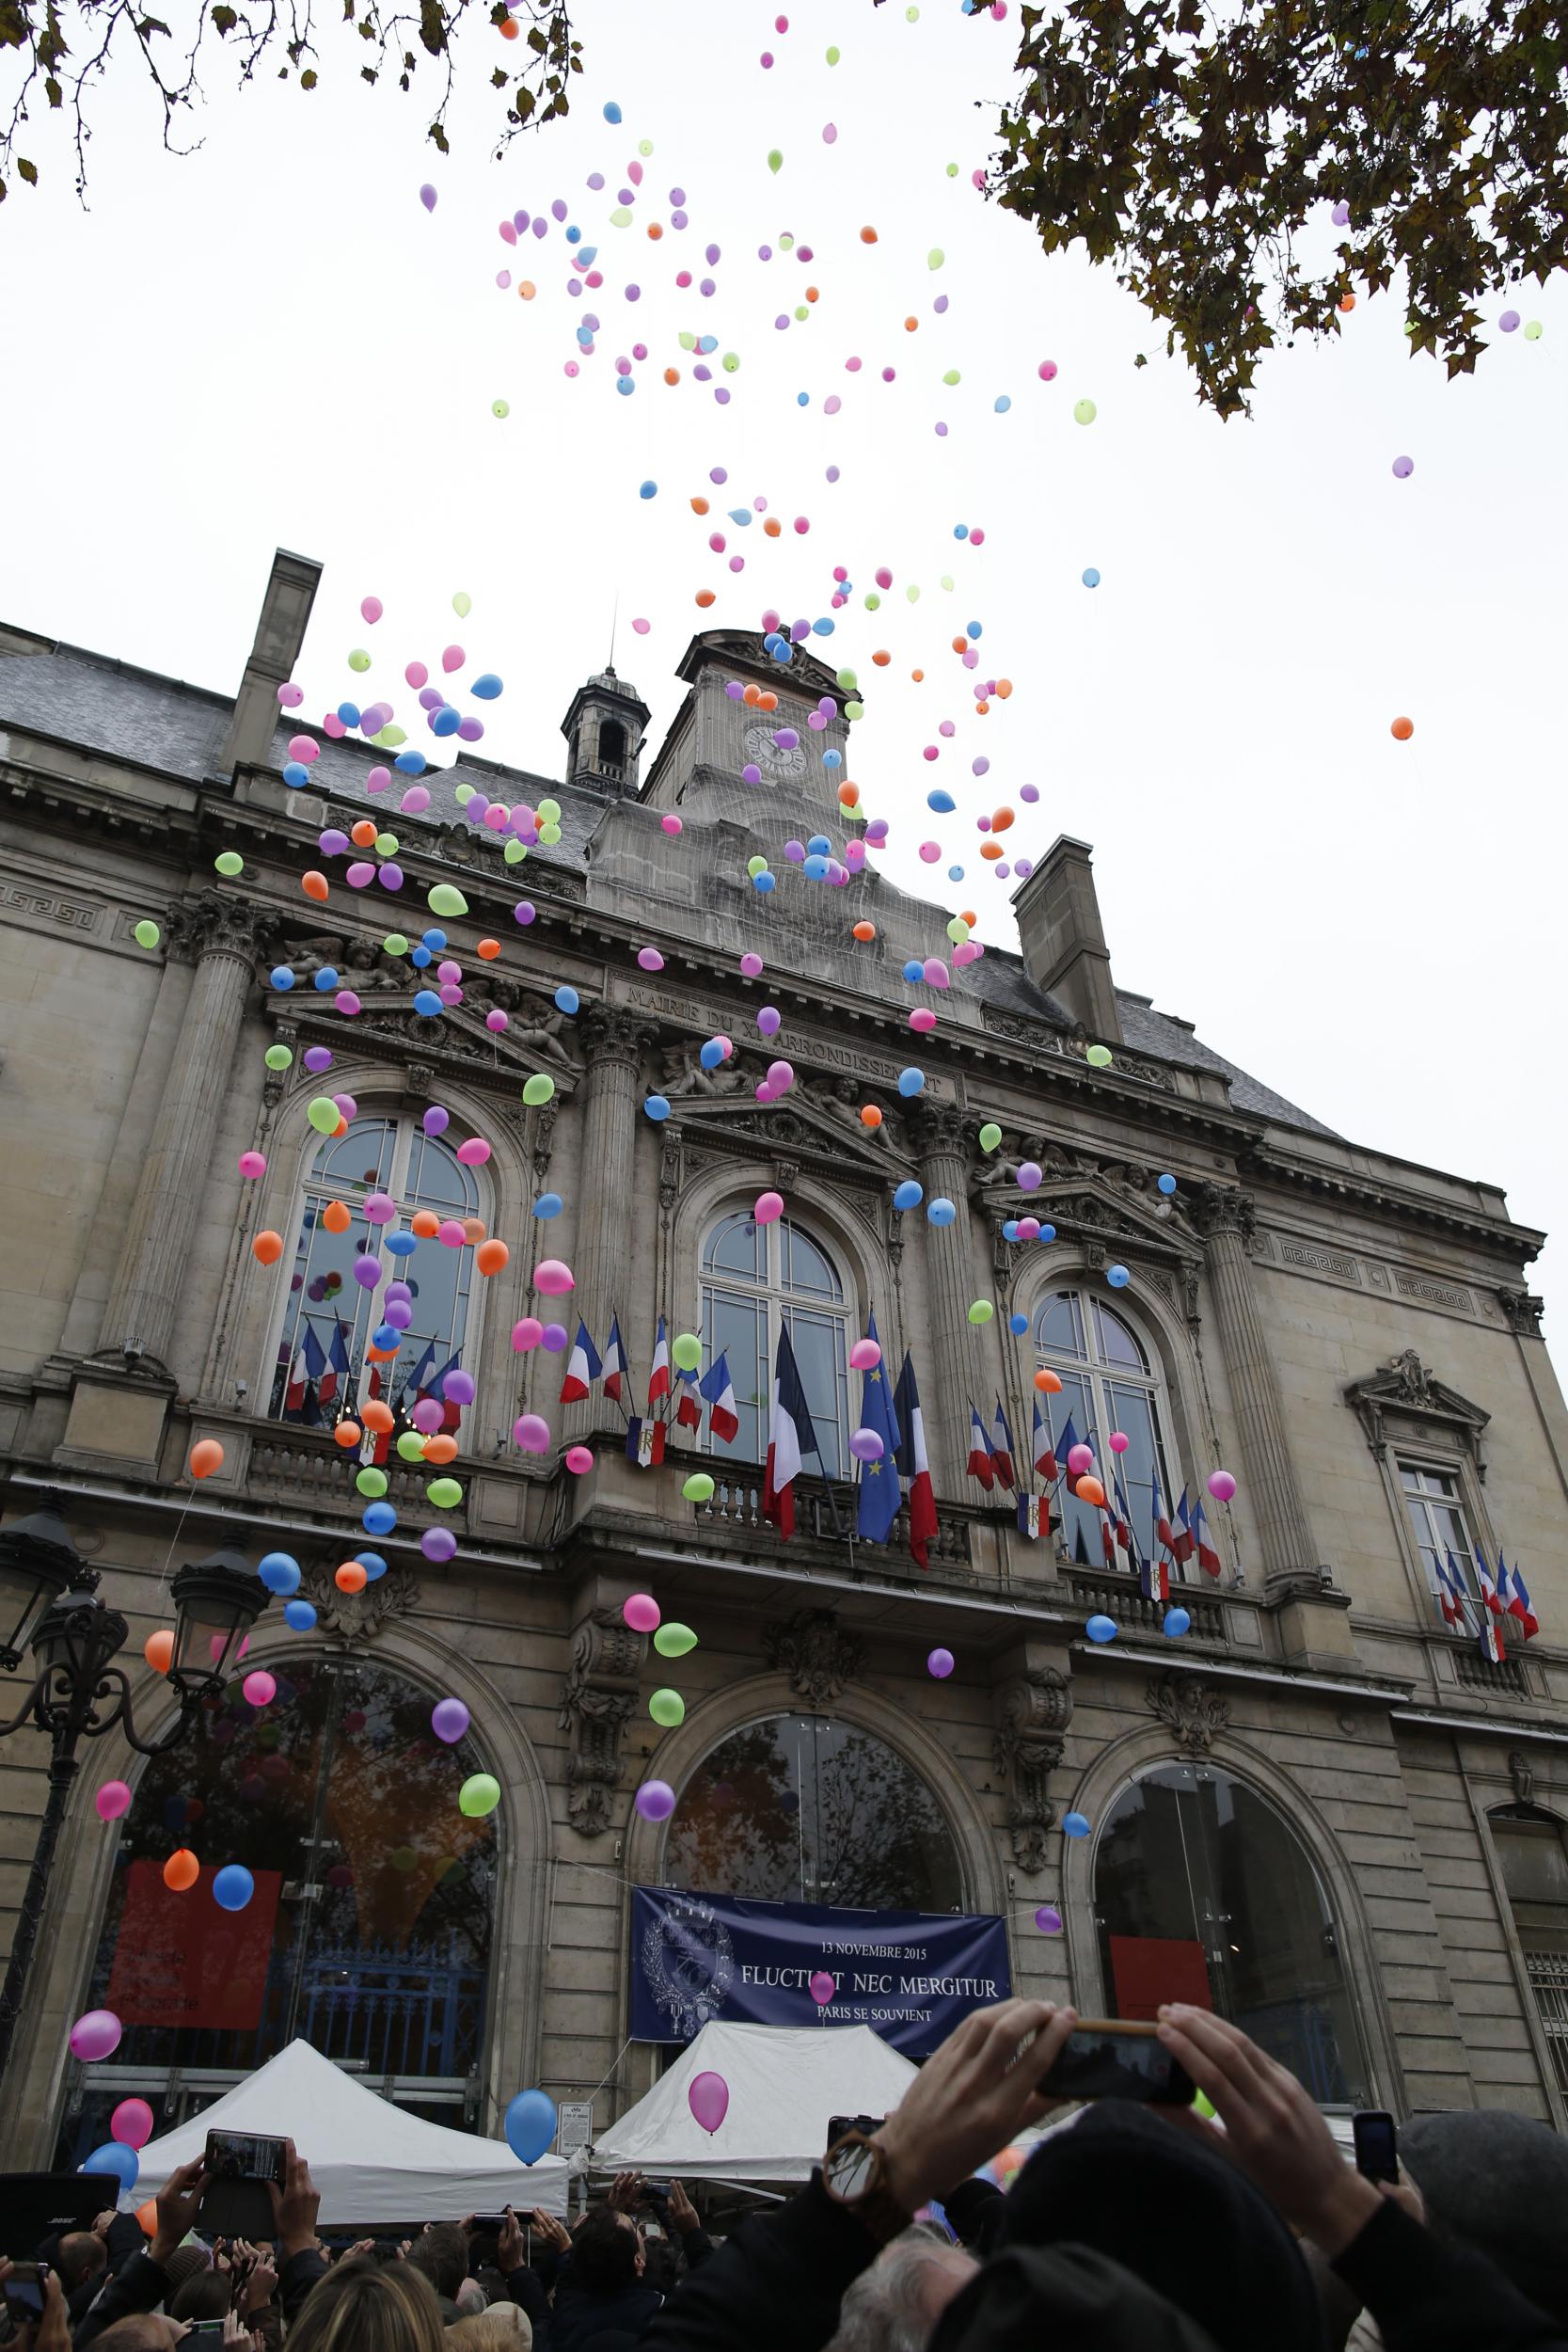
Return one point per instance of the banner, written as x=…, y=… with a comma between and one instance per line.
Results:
x=180, y=1960
x=911, y=1975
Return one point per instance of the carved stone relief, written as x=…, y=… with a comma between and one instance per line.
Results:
x=357, y=1617
x=1190, y=1708
x=596, y=1701
x=1032, y=1712
x=815, y=1653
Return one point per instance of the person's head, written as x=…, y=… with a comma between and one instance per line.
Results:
x=895, y=2306
x=491, y=2280
x=1028, y=2296
x=207, y=2295
x=505, y=2328
x=366, y=2306
x=662, y=2265
x=441, y=2253
x=1499, y=2183
x=143, y=2331
x=80, y=2254
x=186, y=2261
x=470, y=2297
x=606, y=2252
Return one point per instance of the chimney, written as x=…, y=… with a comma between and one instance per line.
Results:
x=1063, y=945
x=279, y=634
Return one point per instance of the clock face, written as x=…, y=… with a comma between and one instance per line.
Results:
x=761, y=748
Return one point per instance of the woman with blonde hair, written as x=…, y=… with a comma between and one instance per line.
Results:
x=504, y=2327
x=364, y=2306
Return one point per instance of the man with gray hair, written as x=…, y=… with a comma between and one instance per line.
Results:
x=895, y=2305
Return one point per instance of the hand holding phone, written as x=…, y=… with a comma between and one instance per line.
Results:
x=24, y=2286
x=1377, y=2145
x=1116, y=2057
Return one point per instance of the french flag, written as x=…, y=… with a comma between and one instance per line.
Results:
x=645, y=1442
x=315, y=1369
x=614, y=1361
x=293, y=1394
x=1161, y=1525
x=659, y=1370
x=688, y=1404
x=1519, y=1603
x=1045, y=1457
x=913, y=1463
x=723, y=1422
x=1002, y=1450
x=1185, y=1545
x=582, y=1367
x=1208, y=1558
x=982, y=1462
x=1124, y=1515
x=1495, y=1601
x=1451, y=1593
x=337, y=1365
x=790, y=1438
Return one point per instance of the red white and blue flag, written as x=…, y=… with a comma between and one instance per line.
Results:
x=1002, y=1450
x=1451, y=1596
x=723, y=1422
x=614, y=1361
x=1489, y=1592
x=982, y=1462
x=1208, y=1558
x=1519, y=1603
x=1045, y=1448
x=659, y=1370
x=583, y=1366
x=337, y=1364
x=913, y=1465
x=645, y=1442
x=790, y=1438
x=1185, y=1544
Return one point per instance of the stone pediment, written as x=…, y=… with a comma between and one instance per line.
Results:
x=801, y=1127
x=1406, y=1391
x=1107, y=1202
x=537, y=1038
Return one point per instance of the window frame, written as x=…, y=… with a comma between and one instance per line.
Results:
x=1423, y=1466
x=1094, y=1366
x=776, y=1303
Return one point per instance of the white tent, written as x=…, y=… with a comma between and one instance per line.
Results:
x=372, y=2161
x=786, y=2082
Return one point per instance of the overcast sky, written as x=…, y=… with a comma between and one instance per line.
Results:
x=271, y=343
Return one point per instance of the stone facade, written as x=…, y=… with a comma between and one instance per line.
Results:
x=1318, y=1312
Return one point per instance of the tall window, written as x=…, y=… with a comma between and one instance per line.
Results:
x=1532, y=1847
x=798, y=1808
x=1108, y=1383
x=1203, y=1893
x=757, y=1280
x=369, y=1931
x=1437, y=1522
x=328, y=1317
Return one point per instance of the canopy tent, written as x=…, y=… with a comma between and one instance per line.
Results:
x=373, y=2162
x=785, y=2082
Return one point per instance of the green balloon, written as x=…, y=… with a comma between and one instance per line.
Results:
x=549, y=835
x=957, y=931
x=385, y=845
x=390, y=736
x=371, y=1483
x=668, y=1708
x=479, y=1795
x=445, y=1493
x=410, y=1446
x=280, y=1057
x=322, y=1113
x=395, y=943
x=500, y=407
x=934, y=260
x=854, y=710
x=446, y=898
x=947, y=581
x=755, y=865
x=849, y=679
x=775, y=159
x=674, y=1641
x=687, y=1352
x=873, y=601
x=912, y=593
x=698, y=1487
x=229, y=862
x=358, y=659
x=833, y=55
x=991, y=1135
x=538, y=1088
x=730, y=362
x=463, y=794
x=462, y=604
x=952, y=171
x=514, y=852
x=1085, y=412
x=621, y=217
x=548, y=811
x=1532, y=331
x=981, y=1312
x=147, y=934
x=952, y=376
x=1098, y=1057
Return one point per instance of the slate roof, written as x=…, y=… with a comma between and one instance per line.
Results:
x=101, y=705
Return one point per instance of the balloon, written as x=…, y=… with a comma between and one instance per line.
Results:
x=864, y=1356
x=479, y=1795
x=991, y=1135
x=554, y=1277
x=1100, y=1629
x=529, y=2125
x=350, y=1577
x=1090, y=1490
x=1085, y=412
x=530, y=1432
x=1098, y=1057
x=939, y=1212
x=229, y=862
x=181, y=1870
x=445, y=1493
x=427, y=196
x=1079, y=1459
x=668, y=1708
x=656, y=1801
x=132, y=2124
x=940, y=1664
x=537, y=1087
x=641, y=1611
x=113, y=1799
x=709, y=2097
x=698, y=1487
x=158, y=1650
x=1118, y=1277
x=866, y=1446
x=114, y=2157
x=911, y=1081
x=769, y=1209
x=95, y=2035
x=1118, y=1441
x=1176, y=1623
x=822, y=1988
x=657, y=1106
x=909, y=1195
x=259, y=1688
x=234, y=1887
x=267, y=1248
x=1166, y=1185
x=206, y=1457
x=1402, y=730
x=1221, y=1485
x=982, y=1311
x=1091, y=577
x=147, y=934
x=674, y=1641
x=685, y=1351
x=1075, y=1824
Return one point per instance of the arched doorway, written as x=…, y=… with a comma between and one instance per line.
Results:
x=1532, y=1849
x=370, y=1931
x=1204, y=1892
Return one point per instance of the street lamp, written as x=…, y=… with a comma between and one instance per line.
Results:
x=49, y=1604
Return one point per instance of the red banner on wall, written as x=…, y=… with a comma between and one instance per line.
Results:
x=1149, y=1969
x=182, y=1960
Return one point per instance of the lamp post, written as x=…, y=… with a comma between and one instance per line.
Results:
x=49, y=1605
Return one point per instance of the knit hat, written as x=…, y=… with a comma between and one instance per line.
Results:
x=1067, y=2297
x=1150, y=2196
x=1499, y=2183
x=186, y=2261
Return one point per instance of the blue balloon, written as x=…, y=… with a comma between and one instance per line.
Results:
x=1118, y=1277
x=973, y=628
x=941, y=802
x=378, y=1519
x=802, y=400
x=766, y=882
x=327, y=977
x=529, y=2125
x=234, y=1887
x=909, y=1195
x=586, y=258
x=819, y=845
x=941, y=1211
x=1100, y=1629
x=299, y=1616
x=547, y=1205
x=816, y=867
x=1002, y=403
x=427, y=1002
x=960, y=531
x=1009, y=1229
x=1048, y=1233
x=566, y=999
x=446, y=721
x=372, y=1564
x=1167, y=1186
x=420, y=957
x=742, y=517
x=954, y=873
x=411, y=762
x=911, y=1081
x=711, y=1054
x=349, y=714
x=385, y=1335
x=281, y=976
x=1018, y=1324
x=611, y=114
x=824, y=628
x=403, y=1245
x=914, y=969
x=1091, y=577
x=625, y=385
x=1176, y=1623
x=1075, y=1825
x=114, y=2156
x=648, y=490
x=279, y=1574
x=832, y=759
x=657, y=1106
x=295, y=773
x=433, y=940
x=574, y=235
x=486, y=689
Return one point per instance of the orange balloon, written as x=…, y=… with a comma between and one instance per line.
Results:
x=267, y=1248
x=147, y=2215
x=705, y=598
x=364, y=832
x=425, y=1223
x=1047, y=1382
x=158, y=1650
x=766, y=701
x=375, y=1355
x=1001, y=819
x=919, y=676
x=441, y=1447
x=772, y=526
x=656, y=229
x=1089, y=1490
x=347, y=1434
x=672, y=375
x=961, y=645
x=1347, y=302
x=335, y=1217
x=991, y=849
x=981, y=707
x=206, y=1457
x=910, y=325
x=699, y=506
x=865, y=930
x=487, y=950
x=882, y=659
x=1402, y=730
x=376, y=1416
x=967, y=915
x=341, y=1129
x=491, y=1256
x=313, y=884
x=474, y=1230
x=813, y=294
x=350, y=1577
x=181, y=1870
x=1004, y=688
x=527, y=291
x=870, y=1116
x=868, y=236
x=752, y=695
x=848, y=795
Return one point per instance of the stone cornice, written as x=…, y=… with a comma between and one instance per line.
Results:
x=1347, y=1188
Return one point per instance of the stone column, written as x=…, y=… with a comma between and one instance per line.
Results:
x=222, y=939
x=940, y=1134
x=608, y=1094
x=1227, y=1218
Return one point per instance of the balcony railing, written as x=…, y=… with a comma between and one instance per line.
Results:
x=307, y=1462
x=1109, y=1593
x=737, y=1503
x=1506, y=1679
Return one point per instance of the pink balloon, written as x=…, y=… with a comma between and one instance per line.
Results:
x=95, y=2035
x=252, y=1164
x=1119, y=1442
x=922, y=1020
x=751, y=965
x=1221, y=1485
x=708, y=2098
x=259, y=1688
x=132, y=2124
x=554, y=1277
x=531, y=1431
x=579, y=1459
x=1080, y=1461
x=641, y=1612
x=370, y=609
x=416, y=673
x=822, y=1988
x=527, y=1334
x=113, y=1800
x=453, y=657
x=864, y=1356
x=781, y=1075
x=769, y=1208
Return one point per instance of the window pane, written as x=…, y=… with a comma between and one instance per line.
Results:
x=806, y=1267
x=737, y=1246
x=441, y=1280
x=1411, y=1478
x=439, y=1179
x=325, y=1324
x=1130, y=1412
x=1118, y=1345
x=1059, y=1330
x=1080, y=1525
x=819, y=1353
x=738, y=1326
x=363, y=1156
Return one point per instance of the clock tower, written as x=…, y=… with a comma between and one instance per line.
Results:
x=719, y=736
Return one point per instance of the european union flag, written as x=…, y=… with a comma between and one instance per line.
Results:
x=879, y=1496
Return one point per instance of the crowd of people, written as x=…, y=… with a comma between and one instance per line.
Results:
x=1133, y=2229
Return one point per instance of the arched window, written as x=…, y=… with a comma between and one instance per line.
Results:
x=1109, y=1382
x=1532, y=1849
x=1203, y=1893
x=368, y=1932
x=612, y=746
x=757, y=1280
x=798, y=1808
x=319, y=1369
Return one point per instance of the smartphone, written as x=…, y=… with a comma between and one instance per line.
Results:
x=839, y=2124
x=1377, y=2145
x=492, y=2222
x=236, y=2201
x=653, y=2195
x=24, y=2292
x=1113, y=2058
x=211, y=2329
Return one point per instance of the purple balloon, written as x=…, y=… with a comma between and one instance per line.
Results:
x=656, y=1801
x=332, y=843
x=709, y=2096
x=458, y=1387
x=770, y=1020
x=389, y=876
x=437, y=1543
x=866, y=1446
x=1029, y=1176
x=940, y=1664
x=367, y=1272
x=555, y=1338
x=1403, y=468
x=435, y=1120
x=427, y=196
x=1049, y=1919
x=448, y=1721
x=317, y=1059
x=95, y=2035
x=427, y=1415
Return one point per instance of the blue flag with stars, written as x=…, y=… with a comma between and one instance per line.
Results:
x=880, y=1495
